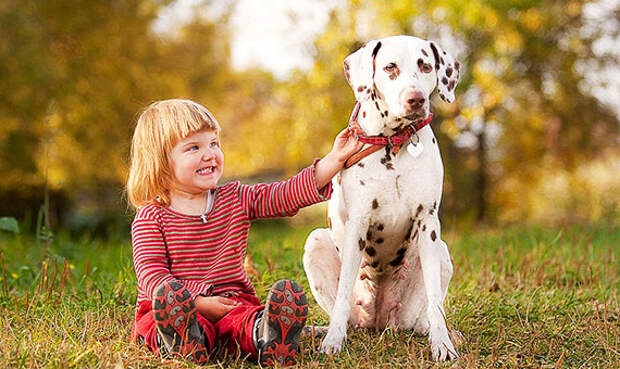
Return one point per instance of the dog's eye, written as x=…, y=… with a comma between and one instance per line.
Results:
x=427, y=68
x=390, y=67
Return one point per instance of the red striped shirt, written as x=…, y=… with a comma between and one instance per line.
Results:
x=207, y=256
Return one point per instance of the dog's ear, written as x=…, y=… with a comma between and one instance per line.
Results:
x=448, y=72
x=359, y=69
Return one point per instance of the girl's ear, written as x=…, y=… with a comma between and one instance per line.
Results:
x=448, y=72
x=359, y=68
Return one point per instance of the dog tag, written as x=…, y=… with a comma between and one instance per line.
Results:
x=415, y=149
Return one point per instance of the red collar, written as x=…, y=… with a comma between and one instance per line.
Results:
x=378, y=142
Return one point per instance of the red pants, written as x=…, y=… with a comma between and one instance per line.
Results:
x=234, y=330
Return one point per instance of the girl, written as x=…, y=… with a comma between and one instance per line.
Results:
x=189, y=239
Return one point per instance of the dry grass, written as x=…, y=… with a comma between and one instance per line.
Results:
x=522, y=298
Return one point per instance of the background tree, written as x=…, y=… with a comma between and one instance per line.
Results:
x=525, y=139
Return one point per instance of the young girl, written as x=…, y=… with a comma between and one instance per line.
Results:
x=189, y=240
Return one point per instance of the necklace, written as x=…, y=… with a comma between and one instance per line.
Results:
x=208, y=206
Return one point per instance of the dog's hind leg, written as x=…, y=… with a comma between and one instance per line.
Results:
x=322, y=266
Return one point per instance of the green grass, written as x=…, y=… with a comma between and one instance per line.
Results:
x=522, y=298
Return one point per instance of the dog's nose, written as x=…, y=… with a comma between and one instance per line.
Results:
x=414, y=99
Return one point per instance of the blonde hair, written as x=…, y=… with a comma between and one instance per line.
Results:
x=159, y=128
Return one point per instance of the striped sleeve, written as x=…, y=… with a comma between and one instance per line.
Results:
x=284, y=198
x=150, y=257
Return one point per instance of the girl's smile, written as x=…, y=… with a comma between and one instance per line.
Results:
x=197, y=163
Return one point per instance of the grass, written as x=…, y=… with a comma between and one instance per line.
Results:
x=522, y=298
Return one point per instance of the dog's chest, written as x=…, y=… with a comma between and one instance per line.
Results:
x=384, y=194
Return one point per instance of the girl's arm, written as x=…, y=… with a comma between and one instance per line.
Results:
x=308, y=187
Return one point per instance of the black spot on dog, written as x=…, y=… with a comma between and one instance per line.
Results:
x=435, y=205
x=424, y=228
x=376, y=49
x=424, y=52
x=337, y=249
x=374, y=264
x=444, y=80
x=375, y=204
x=361, y=88
x=433, y=235
x=434, y=140
x=420, y=63
x=435, y=54
x=389, y=166
x=449, y=72
x=371, y=251
x=419, y=222
x=415, y=234
x=369, y=235
x=388, y=152
x=380, y=227
x=362, y=244
x=451, y=85
x=384, y=160
x=441, y=61
x=419, y=210
x=377, y=106
x=362, y=182
x=401, y=251
x=361, y=165
x=398, y=260
x=379, y=240
x=457, y=65
x=408, y=234
x=431, y=212
x=385, y=113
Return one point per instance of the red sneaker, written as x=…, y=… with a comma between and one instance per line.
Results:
x=178, y=330
x=285, y=314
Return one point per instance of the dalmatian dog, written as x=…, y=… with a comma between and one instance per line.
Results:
x=382, y=262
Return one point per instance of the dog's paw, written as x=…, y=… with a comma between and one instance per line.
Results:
x=442, y=348
x=333, y=342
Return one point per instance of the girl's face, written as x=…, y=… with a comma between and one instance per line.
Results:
x=197, y=163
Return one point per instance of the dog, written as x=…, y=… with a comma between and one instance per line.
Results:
x=382, y=262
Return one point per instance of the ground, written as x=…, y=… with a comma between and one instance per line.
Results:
x=522, y=297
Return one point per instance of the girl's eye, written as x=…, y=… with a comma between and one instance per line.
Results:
x=214, y=144
x=192, y=148
x=390, y=67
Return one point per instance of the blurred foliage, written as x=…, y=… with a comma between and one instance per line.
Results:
x=525, y=140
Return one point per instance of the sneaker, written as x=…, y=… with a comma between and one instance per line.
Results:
x=178, y=330
x=285, y=314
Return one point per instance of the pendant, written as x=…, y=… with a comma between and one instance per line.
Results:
x=415, y=148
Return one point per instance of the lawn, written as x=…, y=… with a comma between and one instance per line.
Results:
x=521, y=297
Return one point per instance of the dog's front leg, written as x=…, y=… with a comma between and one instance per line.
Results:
x=351, y=257
x=430, y=259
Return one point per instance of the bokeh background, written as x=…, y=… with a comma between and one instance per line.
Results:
x=533, y=136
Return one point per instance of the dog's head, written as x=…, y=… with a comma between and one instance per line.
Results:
x=395, y=76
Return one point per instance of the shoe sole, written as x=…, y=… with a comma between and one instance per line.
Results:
x=175, y=319
x=286, y=311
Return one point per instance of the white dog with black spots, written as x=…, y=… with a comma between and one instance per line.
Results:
x=382, y=263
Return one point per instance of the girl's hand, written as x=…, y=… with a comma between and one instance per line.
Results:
x=214, y=307
x=345, y=145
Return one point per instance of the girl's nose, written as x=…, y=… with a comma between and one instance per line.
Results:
x=208, y=155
